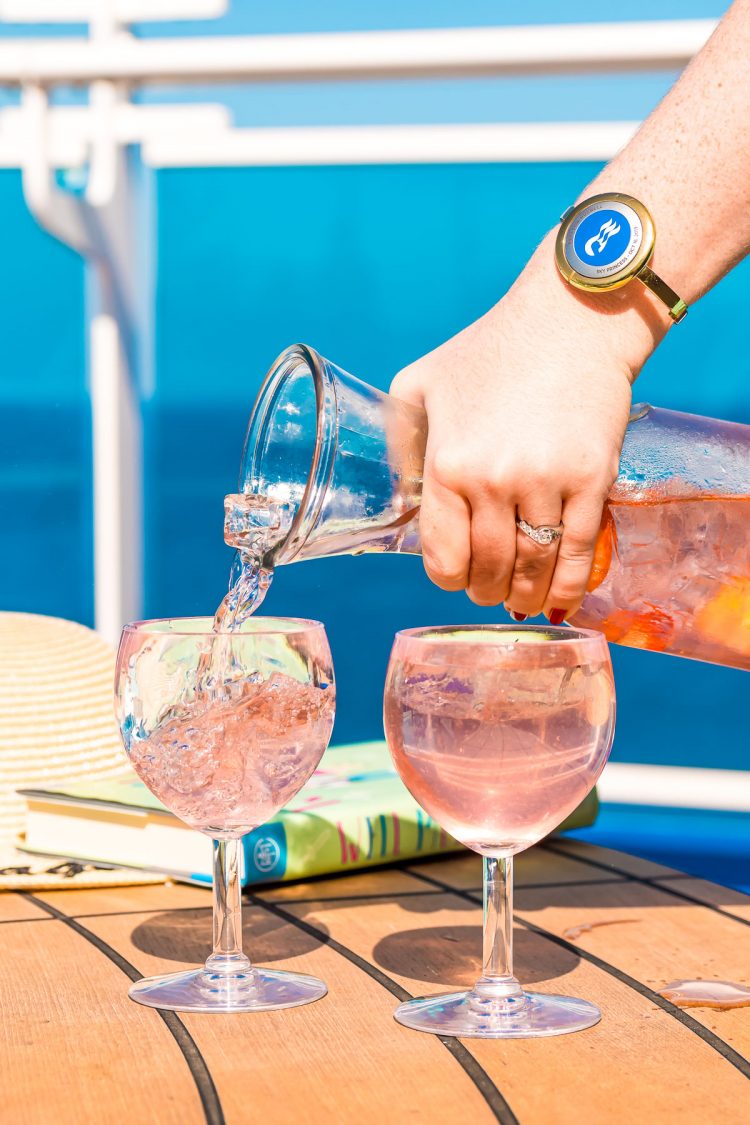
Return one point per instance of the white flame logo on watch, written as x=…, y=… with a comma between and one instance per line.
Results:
x=601, y=238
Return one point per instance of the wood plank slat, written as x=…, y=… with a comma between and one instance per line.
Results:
x=379, y=882
x=74, y=1048
x=123, y=900
x=196, y=1065
x=535, y=867
x=17, y=908
x=607, y=859
x=726, y=900
x=674, y=884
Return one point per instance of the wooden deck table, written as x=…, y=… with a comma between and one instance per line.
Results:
x=75, y=1049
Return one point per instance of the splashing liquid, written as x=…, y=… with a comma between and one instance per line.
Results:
x=254, y=525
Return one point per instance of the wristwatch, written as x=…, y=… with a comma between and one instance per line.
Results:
x=607, y=241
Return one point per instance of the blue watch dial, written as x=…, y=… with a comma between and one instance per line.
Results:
x=603, y=239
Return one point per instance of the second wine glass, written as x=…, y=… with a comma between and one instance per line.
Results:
x=499, y=732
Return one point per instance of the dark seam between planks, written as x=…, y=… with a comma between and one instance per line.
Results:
x=15, y=921
x=208, y=906
x=648, y=881
x=308, y=901
x=478, y=1075
x=197, y=1065
x=709, y=1038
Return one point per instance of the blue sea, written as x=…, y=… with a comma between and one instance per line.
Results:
x=373, y=266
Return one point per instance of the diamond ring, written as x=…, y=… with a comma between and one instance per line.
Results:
x=543, y=535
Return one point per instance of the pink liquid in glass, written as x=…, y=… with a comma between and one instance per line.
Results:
x=225, y=765
x=498, y=744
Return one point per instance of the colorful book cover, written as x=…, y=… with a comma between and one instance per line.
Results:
x=354, y=812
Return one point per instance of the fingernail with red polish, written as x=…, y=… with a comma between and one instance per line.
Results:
x=517, y=616
x=556, y=616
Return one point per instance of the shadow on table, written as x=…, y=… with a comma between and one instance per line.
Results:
x=451, y=956
x=187, y=936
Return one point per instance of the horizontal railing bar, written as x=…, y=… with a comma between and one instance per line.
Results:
x=675, y=787
x=441, y=52
x=389, y=144
x=125, y=11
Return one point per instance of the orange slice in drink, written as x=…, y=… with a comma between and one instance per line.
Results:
x=725, y=619
x=606, y=544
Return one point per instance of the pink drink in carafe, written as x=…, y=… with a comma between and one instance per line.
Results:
x=673, y=575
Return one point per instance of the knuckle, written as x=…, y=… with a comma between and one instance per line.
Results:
x=493, y=479
x=469, y=470
x=449, y=583
x=447, y=574
x=538, y=476
x=449, y=468
x=531, y=567
x=488, y=585
x=401, y=380
x=577, y=552
x=597, y=471
x=483, y=597
x=565, y=596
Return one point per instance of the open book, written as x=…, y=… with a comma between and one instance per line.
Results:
x=354, y=812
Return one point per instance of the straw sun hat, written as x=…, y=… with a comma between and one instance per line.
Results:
x=56, y=719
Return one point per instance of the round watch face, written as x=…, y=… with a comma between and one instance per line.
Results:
x=603, y=239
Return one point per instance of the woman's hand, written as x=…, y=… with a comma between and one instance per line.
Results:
x=527, y=410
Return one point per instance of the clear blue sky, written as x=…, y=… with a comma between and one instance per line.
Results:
x=599, y=97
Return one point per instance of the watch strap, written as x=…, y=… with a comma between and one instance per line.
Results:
x=676, y=307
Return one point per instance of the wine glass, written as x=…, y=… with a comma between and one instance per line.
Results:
x=499, y=732
x=225, y=728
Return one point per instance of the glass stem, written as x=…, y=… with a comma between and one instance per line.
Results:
x=227, y=956
x=497, y=978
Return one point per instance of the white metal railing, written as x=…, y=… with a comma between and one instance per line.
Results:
x=451, y=52
x=203, y=135
x=685, y=787
x=390, y=144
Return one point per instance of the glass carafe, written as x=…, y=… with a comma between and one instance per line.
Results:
x=672, y=568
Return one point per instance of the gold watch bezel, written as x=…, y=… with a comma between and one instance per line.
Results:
x=627, y=273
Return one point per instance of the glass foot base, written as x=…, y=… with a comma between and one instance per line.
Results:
x=256, y=990
x=467, y=1015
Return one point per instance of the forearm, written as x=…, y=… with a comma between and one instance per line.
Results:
x=690, y=165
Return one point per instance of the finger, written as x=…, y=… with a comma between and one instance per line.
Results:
x=493, y=550
x=444, y=524
x=581, y=519
x=535, y=562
